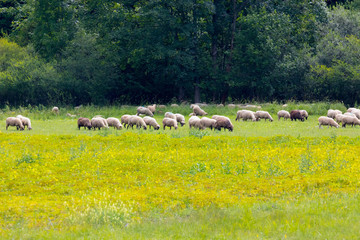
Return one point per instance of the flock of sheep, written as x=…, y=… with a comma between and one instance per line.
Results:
x=171, y=120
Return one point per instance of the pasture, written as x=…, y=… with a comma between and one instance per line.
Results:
x=266, y=180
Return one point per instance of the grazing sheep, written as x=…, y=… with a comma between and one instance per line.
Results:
x=332, y=113
x=351, y=109
x=350, y=120
x=151, y=122
x=263, y=115
x=304, y=114
x=70, y=115
x=25, y=121
x=207, y=123
x=349, y=114
x=169, y=122
x=137, y=121
x=195, y=122
x=98, y=122
x=84, y=122
x=245, y=115
x=180, y=119
x=15, y=122
x=144, y=110
x=295, y=114
x=170, y=115
x=223, y=122
x=114, y=122
x=327, y=121
x=356, y=112
x=125, y=119
x=198, y=111
x=338, y=117
x=152, y=108
x=283, y=114
x=55, y=110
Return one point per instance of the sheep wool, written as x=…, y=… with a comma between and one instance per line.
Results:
x=169, y=122
x=14, y=122
x=114, y=122
x=327, y=121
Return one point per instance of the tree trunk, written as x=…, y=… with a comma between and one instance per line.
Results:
x=181, y=94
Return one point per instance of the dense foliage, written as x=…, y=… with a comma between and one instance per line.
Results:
x=100, y=52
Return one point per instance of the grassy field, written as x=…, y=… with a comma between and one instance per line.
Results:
x=264, y=180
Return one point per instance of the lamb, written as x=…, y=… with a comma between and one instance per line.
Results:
x=195, y=122
x=263, y=115
x=283, y=114
x=304, y=114
x=327, y=121
x=349, y=120
x=144, y=110
x=245, y=115
x=137, y=121
x=125, y=119
x=55, y=110
x=170, y=115
x=25, y=121
x=295, y=114
x=223, y=122
x=114, y=122
x=84, y=122
x=15, y=122
x=332, y=113
x=169, y=122
x=180, y=119
x=198, y=111
x=98, y=122
x=152, y=108
x=151, y=122
x=207, y=123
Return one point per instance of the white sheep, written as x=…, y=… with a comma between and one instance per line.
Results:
x=245, y=115
x=55, y=110
x=198, y=111
x=327, y=121
x=195, y=122
x=350, y=120
x=174, y=105
x=263, y=115
x=283, y=114
x=338, y=117
x=332, y=113
x=99, y=123
x=351, y=109
x=144, y=110
x=114, y=122
x=192, y=114
x=137, y=121
x=170, y=115
x=70, y=115
x=170, y=122
x=304, y=114
x=207, y=123
x=25, y=121
x=356, y=112
x=180, y=119
x=15, y=122
x=151, y=122
x=125, y=119
x=152, y=108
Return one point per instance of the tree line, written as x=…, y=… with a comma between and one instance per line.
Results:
x=138, y=51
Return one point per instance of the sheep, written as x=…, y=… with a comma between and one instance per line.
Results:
x=114, y=122
x=262, y=115
x=195, y=122
x=192, y=114
x=180, y=119
x=170, y=115
x=25, y=121
x=125, y=119
x=162, y=106
x=144, y=110
x=84, y=122
x=174, y=105
x=327, y=121
x=332, y=113
x=304, y=114
x=351, y=109
x=207, y=123
x=223, y=122
x=98, y=122
x=231, y=105
x=152, y=108
x=283, y=114
x=295, y=114
x=349, y=114
x=55, y=110
x=338, y=117
x=349, y=120
x=15, y=122
x=70, y=115
x=198, y=111
x=356, y=112
x=169, y=122
x=245, y=115
x=151, y=122
x=220, y=105
x=137, y=121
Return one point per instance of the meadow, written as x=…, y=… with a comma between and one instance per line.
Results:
x=264, y=180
